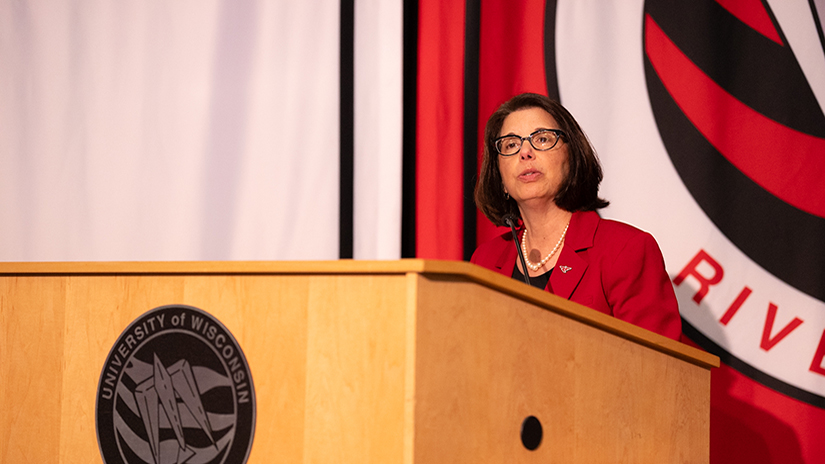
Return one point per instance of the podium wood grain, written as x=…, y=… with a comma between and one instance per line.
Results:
x=366, y=362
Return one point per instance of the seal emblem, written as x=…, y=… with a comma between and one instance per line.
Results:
x=175, y=387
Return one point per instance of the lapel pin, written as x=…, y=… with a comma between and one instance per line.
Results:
x=564, y=269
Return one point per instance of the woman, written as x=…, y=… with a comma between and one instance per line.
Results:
x=540, y=167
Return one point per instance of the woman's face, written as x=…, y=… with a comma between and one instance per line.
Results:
x=531, y=175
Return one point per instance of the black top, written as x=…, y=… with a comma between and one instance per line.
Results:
x=539, y=282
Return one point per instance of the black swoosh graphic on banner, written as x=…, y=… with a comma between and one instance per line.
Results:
x=550, y=74
x=763, y=74
x=756, y=70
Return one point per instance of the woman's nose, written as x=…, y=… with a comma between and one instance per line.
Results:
x=526, y=151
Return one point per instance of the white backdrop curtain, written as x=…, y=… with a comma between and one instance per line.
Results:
x=188, y=130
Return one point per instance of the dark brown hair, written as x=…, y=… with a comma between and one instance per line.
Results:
x=579, y=191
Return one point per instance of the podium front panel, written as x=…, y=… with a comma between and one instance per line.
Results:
x=405, y=362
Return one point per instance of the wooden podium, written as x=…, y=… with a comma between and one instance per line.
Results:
x=405, y=361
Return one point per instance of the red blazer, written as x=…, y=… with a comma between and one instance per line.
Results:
x=612, y=267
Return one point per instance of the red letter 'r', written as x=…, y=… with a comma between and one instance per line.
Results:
x=704, y=282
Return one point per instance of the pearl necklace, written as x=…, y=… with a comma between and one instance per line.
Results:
x=536, y=267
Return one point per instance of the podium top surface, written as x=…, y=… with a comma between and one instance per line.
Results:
x=455, y=270
x=344, y=266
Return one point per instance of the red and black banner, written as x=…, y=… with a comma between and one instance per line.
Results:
x=708, y=118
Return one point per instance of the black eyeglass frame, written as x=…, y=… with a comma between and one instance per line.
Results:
x=559, y=135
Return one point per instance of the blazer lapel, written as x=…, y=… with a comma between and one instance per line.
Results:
x=570, y=267
x=507, y=260
x=567, y=274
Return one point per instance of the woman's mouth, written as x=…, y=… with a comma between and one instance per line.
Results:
x=529, y=175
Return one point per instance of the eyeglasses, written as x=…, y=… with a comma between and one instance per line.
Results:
x=541, y=140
